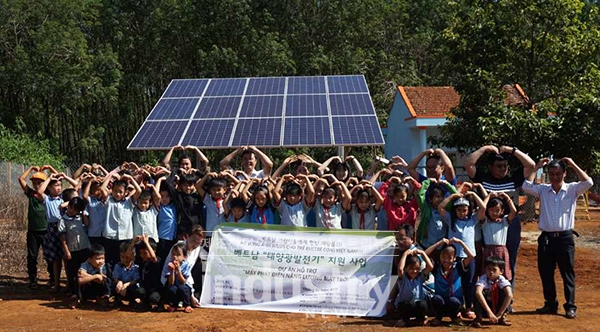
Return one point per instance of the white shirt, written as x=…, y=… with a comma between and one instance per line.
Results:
x=254, y=174
x=330, y=218
x=144, y=222
x=293, y=215
x=557, y=209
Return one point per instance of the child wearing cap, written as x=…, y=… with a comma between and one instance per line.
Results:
x=36, y=221
x=456, y=212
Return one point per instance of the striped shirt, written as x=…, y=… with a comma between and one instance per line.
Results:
x=557, y=209
x=509, y=184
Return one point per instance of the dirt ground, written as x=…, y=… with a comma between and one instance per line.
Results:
x=26, y=310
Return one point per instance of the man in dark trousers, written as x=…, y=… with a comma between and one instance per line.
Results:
x=556, y=244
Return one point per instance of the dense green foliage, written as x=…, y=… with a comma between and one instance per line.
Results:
x=84, y=74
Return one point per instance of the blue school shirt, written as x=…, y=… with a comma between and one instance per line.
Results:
x=465, y=230
x=214, y=216
x=167, y=222
x=448, y=286
x=293, y=215
x=97, y=215
x=436, y=229
x=124, y=274
x=87, y=267
x=119, y=223
x=410, y=290
x=257, y=216
x=186, y=270
x=52, y=206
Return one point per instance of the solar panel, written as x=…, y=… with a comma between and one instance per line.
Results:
x=259, y=132
x=262, y=111
x=266, y=86
x=355, y=130
x=221, y=107
x=226, y=87
x=185, y=88
x=306, y=105
x=263, y=106
x=307, y=132
x=306, y=85
x=351, y=104
x=158, y=134
x=209, y=133
x=347, y=84
x=174, y=109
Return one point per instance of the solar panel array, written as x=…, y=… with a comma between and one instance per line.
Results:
x=265, y=112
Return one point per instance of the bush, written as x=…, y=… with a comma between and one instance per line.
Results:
x=23, y=149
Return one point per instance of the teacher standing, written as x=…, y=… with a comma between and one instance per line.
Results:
x=556, y=243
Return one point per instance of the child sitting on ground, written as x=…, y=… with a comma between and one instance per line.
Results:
x=493, y=293
x=409, y=296
x=176, y=272
x=448, y=298
x=126, y=277
x=150, y=270
x=94, y=277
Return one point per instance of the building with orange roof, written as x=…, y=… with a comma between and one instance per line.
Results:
x=417, y=113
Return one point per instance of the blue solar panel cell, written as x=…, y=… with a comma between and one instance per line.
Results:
x=209, y=133
x=174, y=109
x=185, y=88
x=307, y=132
x=357, y=130
x=306, y=85
x=259, y=132
x=351, y=104
x=226, y=87
x=306, y=105
x=266, y=86
x=158, y=134
x=262, y=106
x=347, y=84
x=221, y=107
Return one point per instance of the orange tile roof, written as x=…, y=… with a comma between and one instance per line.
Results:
x=436, y=101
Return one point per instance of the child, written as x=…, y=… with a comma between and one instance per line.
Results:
x=167, y=218
x=212, y=197
x=495, y=227
x=94, y=279
x=119, y=213
x=456, y=212
x=447, y=272
x=96, y=210
x=126, y=277
x=36, y=222
x=176, y=272
x=432, y=227
x=75, y=243
x=235, y=209
x=493, y=293
x=150, y=271
x=328, y=209
x=293, y=208
x=399, y=210
x=363, y=211
x=409, y=296
x=189, y=205
x=50, y=193
x=261, y=210
x=145, y=213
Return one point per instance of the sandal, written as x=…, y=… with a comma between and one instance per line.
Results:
x=504, y=322
x=188, y=310
x=470, y=314
x=476, y=325
x=171, y=308
x=103, y=301
x=73, y=301
x=456, y=321
x=400, y=323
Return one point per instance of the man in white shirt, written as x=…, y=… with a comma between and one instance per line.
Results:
x=556, y=244
x=249, y=155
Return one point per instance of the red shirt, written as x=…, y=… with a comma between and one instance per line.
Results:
x=399, y=214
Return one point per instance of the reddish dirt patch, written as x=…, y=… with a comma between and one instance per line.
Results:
x=23, y=309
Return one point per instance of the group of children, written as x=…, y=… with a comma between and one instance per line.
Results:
x=120, y=232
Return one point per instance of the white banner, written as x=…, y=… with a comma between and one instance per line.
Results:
x=290, y=269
